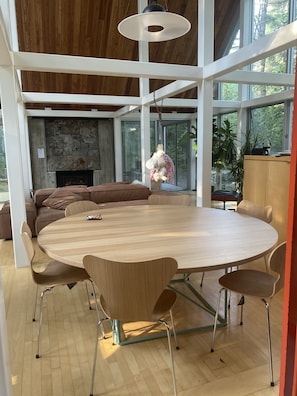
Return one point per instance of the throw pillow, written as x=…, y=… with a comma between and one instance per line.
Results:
x=61, y=198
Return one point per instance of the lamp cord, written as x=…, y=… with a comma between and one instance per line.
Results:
x=160, y=124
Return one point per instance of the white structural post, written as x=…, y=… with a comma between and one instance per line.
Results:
x=145, y=110
x=118, y=149
x=14, y=163
x=205, y=93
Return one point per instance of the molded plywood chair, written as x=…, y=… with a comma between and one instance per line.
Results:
x=249, y=208
x=169, y=199
x=132, y=292
x=80, y=207
x=260, y=212
x=54, y=274
x=263, y=285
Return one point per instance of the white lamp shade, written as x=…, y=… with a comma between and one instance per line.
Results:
x=170, y=26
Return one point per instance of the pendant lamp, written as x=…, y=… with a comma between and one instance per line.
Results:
x=154, y=24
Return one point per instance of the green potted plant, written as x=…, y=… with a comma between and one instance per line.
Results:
x=237, y=168
x=224, y=149
x=225, y=152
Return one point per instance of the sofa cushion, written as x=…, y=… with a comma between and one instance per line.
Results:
x=114, y=192
x=61, y=198
x=43, y=193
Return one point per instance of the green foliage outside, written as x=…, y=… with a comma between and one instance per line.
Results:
x=225, y=153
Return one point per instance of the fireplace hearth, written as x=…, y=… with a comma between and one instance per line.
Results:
x=78, y=177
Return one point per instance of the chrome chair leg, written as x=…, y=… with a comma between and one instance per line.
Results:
x=35, y=304
x=202, y=279
x=173, y=330
x=88, y=294
x=97, y=308
x=216, y=319
x=241, y=304
x=40, y=319
x=171, y=356
x=269, y=342
x=95, y=357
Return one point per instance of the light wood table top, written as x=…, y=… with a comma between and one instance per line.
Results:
x=200, y=239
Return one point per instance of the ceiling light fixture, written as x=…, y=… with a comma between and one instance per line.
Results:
x=154, y=24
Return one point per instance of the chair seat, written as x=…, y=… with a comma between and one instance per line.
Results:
x=249, y=282
x=163, y=306
x=55, y=271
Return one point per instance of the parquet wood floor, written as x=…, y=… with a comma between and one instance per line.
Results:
x=238, y=367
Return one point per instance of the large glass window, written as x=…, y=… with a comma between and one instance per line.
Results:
x=229, y=91
x=269, y=16
x=225, y=131
x=131, y=150
x=267, y=126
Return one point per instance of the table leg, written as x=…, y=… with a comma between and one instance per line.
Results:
x=198, y=300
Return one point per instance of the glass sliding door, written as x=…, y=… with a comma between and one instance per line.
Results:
x=177, y=146
x=131, y=150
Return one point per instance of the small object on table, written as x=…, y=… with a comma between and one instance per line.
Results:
x=98, y=217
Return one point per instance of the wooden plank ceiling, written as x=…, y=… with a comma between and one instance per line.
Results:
x=89, y=28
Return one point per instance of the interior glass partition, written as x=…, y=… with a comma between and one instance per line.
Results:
x=131, y=150
x=177, y=146
x=176, y=143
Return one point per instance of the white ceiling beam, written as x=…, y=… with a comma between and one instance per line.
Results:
x=171, y=89
x=69, y=113
x=269, y=99
x=218, y=107
x=271, y=44
x=125, y=110
x=30, y=61
x=260, y=78
x=36, y=97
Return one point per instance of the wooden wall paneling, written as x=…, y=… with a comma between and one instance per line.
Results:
x=266, y=182
x=89, y=28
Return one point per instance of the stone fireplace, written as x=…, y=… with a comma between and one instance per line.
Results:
x=68, y=151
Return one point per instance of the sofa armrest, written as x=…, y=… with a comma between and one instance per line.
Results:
x=5, y=221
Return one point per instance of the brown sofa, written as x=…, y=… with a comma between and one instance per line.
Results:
x=48, y=204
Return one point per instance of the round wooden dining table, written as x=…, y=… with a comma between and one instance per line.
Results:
x=200, y=239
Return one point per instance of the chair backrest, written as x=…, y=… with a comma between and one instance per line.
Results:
x=79, y=207
x=30, y=250
x=130, y=290
x=276, y=263
x=251, y=209
x=169, y=199
x=28, y=244
x=25, y=228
